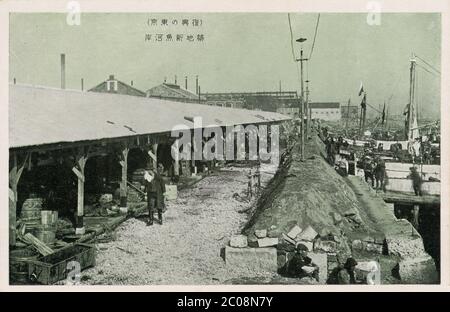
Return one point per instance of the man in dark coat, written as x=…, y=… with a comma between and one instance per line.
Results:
x=301, y=265
x=368, y=167
x=380, y=172
x=156, y=188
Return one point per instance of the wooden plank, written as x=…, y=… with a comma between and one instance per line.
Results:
x=14, y=177
x=42, y=248
x=405, y=185
x=402, y=198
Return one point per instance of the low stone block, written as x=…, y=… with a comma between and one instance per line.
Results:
x=267, y=242
x=288, y=239
x=357, y=245
x=418, y=271
x=376, y=248
x=253, y=259
x=405, y=246
x=320, y=259
x=294, y=232
x=261, y=233
x=274, y=233
x=308, y=234
x=239, y=241
x=325, y=246
x=368, y=239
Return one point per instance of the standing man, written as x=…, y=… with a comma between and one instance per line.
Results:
x=156, y=189
x=416, y=180
x=368, y=170
x=380, y=172
x=250, y=184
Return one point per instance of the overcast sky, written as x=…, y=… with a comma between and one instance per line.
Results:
x=240, y=52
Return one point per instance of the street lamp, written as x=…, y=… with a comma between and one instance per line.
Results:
x=301, y=59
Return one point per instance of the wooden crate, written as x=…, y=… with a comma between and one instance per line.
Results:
x=50, y=269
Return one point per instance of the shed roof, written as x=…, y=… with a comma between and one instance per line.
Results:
x=40, y=115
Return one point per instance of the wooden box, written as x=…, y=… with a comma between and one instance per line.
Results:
x=50, y=269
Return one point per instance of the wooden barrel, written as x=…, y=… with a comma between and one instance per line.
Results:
x=31, y=209
x=18, y=264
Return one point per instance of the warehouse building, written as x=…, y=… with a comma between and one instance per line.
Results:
x=68, y=143
x=329, y=111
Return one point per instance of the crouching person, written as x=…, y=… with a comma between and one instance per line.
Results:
x=301, y=265
x=343, y=275
x=156, y=189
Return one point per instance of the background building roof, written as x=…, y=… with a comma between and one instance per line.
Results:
x=39, y=115
x=170, y=90
x=324, y=105
x=122, y=88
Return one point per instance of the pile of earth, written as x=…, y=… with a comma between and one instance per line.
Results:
x=308, y=193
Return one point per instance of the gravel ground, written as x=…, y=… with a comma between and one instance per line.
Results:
x=186, y=248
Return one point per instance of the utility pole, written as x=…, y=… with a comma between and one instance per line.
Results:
x=308, y=112
x=302, y=106
x=348, y=115
x=364, y=109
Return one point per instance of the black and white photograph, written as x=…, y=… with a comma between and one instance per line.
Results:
x=214, y=147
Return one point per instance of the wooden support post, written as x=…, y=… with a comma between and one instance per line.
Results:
x=14, y=176
x=123, y=185
x=416, y=211
x=78, y=170
x=155, y=153
x=176, y=162
x=193, y=148
x=152, y=155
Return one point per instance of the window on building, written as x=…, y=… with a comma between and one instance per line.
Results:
x=111, y=85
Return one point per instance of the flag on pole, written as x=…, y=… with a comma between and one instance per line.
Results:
x=383, y=115
x=363, y=102
x=361, y=89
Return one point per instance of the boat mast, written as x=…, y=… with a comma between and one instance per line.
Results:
x=412, y=78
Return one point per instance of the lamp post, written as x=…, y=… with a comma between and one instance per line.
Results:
x=302, y=110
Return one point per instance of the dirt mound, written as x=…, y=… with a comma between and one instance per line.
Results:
x=308, y=192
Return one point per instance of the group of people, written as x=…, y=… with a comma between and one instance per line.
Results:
x=301, y=266
x=333, y=147
x=375, y=171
